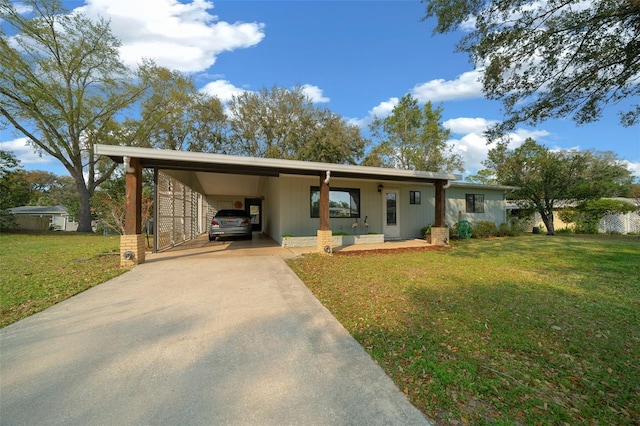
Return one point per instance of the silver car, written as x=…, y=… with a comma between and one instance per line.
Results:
x=230, y=223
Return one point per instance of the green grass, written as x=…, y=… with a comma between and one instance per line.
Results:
x=39, y=270
x=527, y=330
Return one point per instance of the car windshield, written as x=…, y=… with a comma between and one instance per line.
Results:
x=231, y=213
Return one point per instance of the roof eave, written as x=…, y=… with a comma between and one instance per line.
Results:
x=218, y=163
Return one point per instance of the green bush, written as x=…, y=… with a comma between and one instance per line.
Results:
x=7, y=221
x=510, y=230
x=564, y=231
x=484, y=229
x=587, y=215
x=425, y=230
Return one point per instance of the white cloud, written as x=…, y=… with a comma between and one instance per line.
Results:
x=22, y=8
x=222, y=89
x=381, y=110
x=634, y=166
x=465, y=125
x=472, y=145
x=384, y=108
x=467, y=86
x=182, y=36
x=25, y=153
x=314, y=93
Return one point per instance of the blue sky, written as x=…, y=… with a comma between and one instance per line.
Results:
x=355, y=57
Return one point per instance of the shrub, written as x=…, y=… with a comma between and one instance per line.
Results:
x=484, y=229
x=507, y=230
x=425, y=230
x=564, y=231
x=7, y=221
x=587, y=215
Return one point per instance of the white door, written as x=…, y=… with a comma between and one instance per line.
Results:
x=391, y=214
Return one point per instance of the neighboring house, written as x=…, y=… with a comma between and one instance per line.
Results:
x=39, y=218
x=613, y=223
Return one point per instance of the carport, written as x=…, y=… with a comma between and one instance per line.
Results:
x=204, y=173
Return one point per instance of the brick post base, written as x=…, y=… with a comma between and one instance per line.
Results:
x=440, y=236
x=131, y=250
x=324, y=244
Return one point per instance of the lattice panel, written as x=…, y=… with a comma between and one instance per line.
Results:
x=177, y=212
x=620, y=223
x=165, y=212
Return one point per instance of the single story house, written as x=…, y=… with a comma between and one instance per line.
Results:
x=291, y=200
x=392, y=210
x=38, y=218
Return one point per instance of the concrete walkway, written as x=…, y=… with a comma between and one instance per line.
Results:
x=194, y=338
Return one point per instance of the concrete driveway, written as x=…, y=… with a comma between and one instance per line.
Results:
x=197, y=339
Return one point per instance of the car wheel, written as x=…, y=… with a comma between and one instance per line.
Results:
x=211, y=238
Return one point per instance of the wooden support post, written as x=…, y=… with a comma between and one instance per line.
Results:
x=133, y=199
x=324, y=203
x=324, y=235
x=440, y=213
x=132, y=243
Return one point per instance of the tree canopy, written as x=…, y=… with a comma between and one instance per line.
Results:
x=175, y=115
x=284, y=123
x=550, y=59
x=544, y=176
x=412, y=138
x=14, y=188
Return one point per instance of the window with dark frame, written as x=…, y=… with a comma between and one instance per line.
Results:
x=475, y=203
x=414, y=197
x=343, y=202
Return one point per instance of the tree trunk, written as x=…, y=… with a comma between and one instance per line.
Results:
x=548, y=223
x=84, y=210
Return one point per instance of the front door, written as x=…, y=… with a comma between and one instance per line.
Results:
x=254, y=208
x=391, y=214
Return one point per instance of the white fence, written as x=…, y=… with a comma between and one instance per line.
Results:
x=628, y=223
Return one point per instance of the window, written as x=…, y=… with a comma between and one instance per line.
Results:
x=343, y=202
x=414, y=197
x=475, y=203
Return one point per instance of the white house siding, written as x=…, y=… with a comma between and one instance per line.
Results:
x=287, y=204
x=416, y=216
x=494, y=205
x=295, y=216
x=295, y=207
x=271, y=223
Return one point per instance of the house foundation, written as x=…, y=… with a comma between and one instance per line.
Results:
x=132, y=250
x=325, y=242
x=440, y=235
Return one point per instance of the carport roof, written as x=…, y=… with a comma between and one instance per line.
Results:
x=218, y=163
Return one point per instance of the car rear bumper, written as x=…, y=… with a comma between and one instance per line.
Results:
x=238, y=231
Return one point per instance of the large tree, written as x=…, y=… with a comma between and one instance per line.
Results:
x=548, y=59
x=178, y=116
x=64, y=87
x=545, y=177
x=413, y=138
x=284, y=123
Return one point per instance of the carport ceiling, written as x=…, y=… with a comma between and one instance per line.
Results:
x=227, y=164
x=221, y=183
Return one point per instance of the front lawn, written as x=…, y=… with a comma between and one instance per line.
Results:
x=39, y=270
x=527, y=330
